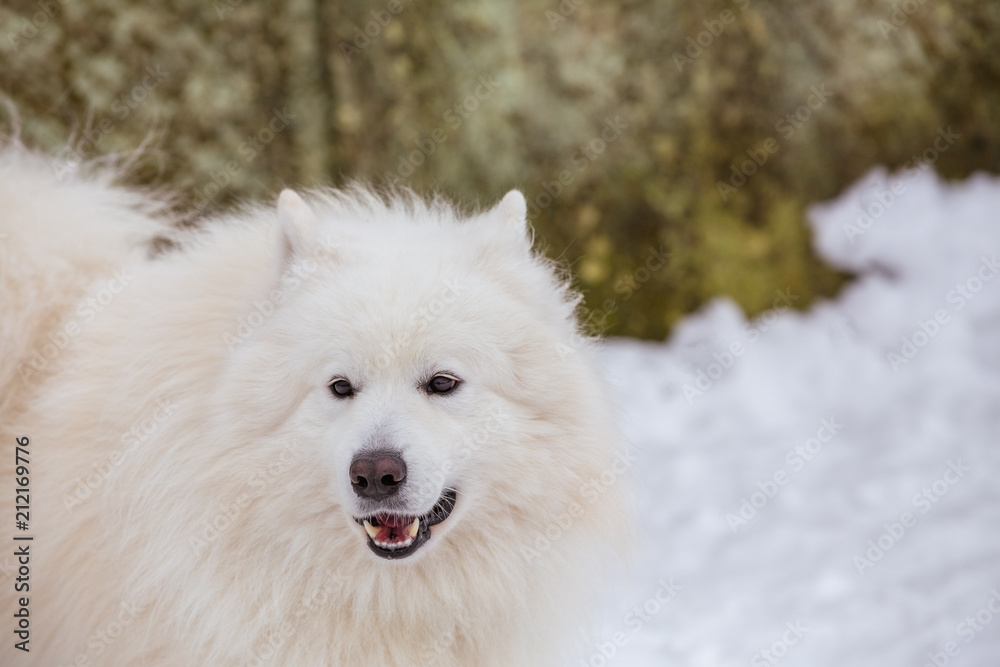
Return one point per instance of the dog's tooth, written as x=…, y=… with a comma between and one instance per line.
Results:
x=414, y=527
x=371, y=530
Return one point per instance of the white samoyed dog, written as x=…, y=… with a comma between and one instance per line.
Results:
x=349, y=429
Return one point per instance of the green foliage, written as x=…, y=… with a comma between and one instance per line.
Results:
x=240, y=98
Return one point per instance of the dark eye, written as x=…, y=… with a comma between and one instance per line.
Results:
x=341, y=388
x=441, y=384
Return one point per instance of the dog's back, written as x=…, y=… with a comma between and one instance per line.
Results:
x=62, y=229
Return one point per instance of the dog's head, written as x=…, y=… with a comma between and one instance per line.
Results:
x=431, y=370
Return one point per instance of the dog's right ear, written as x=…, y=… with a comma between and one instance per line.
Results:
x=512, y=214
x=298, y=223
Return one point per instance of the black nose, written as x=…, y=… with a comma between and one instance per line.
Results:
x=377, y=475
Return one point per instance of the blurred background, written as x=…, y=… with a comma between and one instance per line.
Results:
x=796, y=199
x=474, y=98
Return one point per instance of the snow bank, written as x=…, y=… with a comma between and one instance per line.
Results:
x=823, y=488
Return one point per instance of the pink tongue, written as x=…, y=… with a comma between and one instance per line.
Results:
x=392, y=528
x=391, y=521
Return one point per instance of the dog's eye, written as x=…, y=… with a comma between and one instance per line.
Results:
x=442, y=384
x=341, y=388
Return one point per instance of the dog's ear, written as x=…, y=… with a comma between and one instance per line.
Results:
x=512, y=213
x=298, y=223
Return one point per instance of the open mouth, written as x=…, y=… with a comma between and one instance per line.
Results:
x=395, y=536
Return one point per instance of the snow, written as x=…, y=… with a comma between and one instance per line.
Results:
x=859, y=439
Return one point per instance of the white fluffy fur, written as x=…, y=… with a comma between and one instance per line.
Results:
x=193, y=467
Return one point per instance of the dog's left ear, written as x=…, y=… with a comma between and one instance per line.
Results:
x=512, y=212
x=298, y=225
